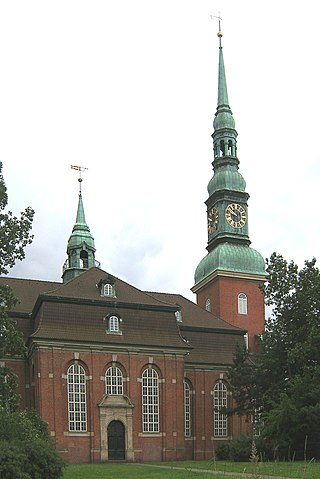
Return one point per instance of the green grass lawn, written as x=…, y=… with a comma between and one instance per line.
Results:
x=297, y=470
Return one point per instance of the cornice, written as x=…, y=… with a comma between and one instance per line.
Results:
x=199, y=329
x=227, y=274
x=43, y=343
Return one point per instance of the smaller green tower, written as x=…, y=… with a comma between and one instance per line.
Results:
x=80, y=248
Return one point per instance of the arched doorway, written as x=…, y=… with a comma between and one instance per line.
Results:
x=116, y=441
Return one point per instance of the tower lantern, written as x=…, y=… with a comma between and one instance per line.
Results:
x=80, y=248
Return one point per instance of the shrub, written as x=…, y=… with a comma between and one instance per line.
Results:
x=42, y=460
x=12, y=461
x=222, y=451
x=240, y=448
x=26, y=450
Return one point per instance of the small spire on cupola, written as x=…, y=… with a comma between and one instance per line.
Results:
x=80, y=248
x=223, y=117
x=80, y=212
x=222, y=83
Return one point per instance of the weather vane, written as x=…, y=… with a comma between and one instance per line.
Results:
x=80, y=169
x=219, y=32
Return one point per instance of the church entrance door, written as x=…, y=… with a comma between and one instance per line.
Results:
x=116, y=441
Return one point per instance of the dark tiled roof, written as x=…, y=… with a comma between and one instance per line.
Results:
x=27, y=291
x=85, y=287
x=211, y=347
x=70, y=322
x=192, y=314
x=76, y=312
x=212, y=340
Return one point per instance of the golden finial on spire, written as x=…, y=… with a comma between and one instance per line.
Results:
x=80, y=169
x=220, y=34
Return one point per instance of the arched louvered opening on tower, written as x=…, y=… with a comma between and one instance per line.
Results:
x=84, y=262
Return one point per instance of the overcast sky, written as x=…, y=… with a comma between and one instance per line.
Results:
x=128, y=89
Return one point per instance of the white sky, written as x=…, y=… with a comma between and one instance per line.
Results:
x=128, y=89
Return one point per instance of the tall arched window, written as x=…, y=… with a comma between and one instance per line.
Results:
x=220, y=399
x=77, y=409
x=242, y=304
x=114, y=380
x=150, y=400
x=187, y=408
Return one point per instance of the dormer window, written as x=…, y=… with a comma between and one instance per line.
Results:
x=178, y=315
x=108, y=290
x=113, y=325
x=107, y=286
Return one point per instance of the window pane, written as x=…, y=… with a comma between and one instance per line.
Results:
x=114, y=380
x=150, y=400
x=76, y=383
x=220, y=399
x=108, y=290
x=187, y=409
x=113, y=324
x=242, y=304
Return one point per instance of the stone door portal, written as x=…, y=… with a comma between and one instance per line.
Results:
x=116, y=428
x=116, y=441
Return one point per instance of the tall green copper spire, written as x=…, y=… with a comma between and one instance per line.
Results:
x=80, y=248
x=224, y=118
x=227, y=209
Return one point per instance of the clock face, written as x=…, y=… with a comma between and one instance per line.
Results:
x=236, y=215
x=213, y=219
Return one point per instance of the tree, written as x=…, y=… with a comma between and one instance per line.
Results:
x=26, y=449
x=14, y=232
x=14, y=237
x=289, y=357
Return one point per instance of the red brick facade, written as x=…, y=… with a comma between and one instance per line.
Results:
x=67, y=327
x=223, y=292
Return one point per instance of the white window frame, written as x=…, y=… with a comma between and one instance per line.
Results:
x=114, y=324
x=242, y=303
x=114, y=381
x=187, y=408
x=220, y=420
x=107, y=289
x=150, y=401
x=77, y=398
x=208, y=305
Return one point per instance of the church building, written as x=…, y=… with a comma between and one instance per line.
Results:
x=124, y=374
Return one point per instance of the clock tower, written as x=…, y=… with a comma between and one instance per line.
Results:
x=229, y=277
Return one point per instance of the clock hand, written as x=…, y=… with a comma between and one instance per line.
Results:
x=232, y=212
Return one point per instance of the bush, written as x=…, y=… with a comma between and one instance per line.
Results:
x=240, y=448
x=222, y=451
x=26, y=449
x=12, y=461
x=42, y=460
